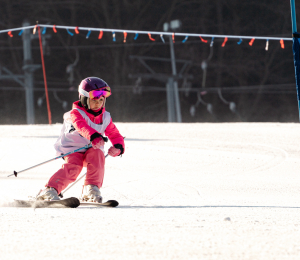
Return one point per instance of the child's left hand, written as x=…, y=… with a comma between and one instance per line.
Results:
x=112, y=151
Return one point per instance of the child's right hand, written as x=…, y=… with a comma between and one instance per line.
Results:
x=97, y=142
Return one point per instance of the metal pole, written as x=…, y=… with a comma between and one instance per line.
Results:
x=170, y=101
x=175, y=84
x=28, y=73
x=296, y=51
x=63, y=155
x=293, y=13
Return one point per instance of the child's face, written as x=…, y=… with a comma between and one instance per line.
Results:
x=96, y=104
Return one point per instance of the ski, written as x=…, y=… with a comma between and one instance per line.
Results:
x=64, y=203
x=109, y=203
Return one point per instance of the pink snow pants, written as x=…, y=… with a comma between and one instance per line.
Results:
x=93, y=159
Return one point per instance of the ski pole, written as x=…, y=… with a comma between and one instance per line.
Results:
x=63, y=155
x=62, y=193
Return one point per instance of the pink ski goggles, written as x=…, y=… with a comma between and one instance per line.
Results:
x=96, y=94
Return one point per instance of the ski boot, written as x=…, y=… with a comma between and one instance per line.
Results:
x=91, y=193
x=48, y=194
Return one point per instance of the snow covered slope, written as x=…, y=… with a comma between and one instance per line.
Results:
x=186, y=191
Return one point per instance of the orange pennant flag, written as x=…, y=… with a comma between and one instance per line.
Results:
x=282, y=44
x=225, y=40
x=203, y=39
x=100, y=35
x=251, y=42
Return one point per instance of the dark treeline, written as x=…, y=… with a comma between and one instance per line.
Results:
x=69, y=59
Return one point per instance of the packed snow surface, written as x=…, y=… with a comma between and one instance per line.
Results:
x=186, y=191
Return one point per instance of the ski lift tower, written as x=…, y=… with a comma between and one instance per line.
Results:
x=172, y=87
x=296, y=51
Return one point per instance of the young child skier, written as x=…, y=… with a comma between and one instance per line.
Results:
x=86, y=123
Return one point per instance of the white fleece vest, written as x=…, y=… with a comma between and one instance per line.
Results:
x=70, y=140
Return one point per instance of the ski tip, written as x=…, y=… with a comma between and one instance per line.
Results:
x=113, y=203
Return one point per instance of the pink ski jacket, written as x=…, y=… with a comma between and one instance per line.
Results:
x=82, y=126
x=87, y=131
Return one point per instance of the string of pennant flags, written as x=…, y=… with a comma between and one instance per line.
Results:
x=72, y=30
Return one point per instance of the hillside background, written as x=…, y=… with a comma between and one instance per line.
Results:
x=260, y=83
